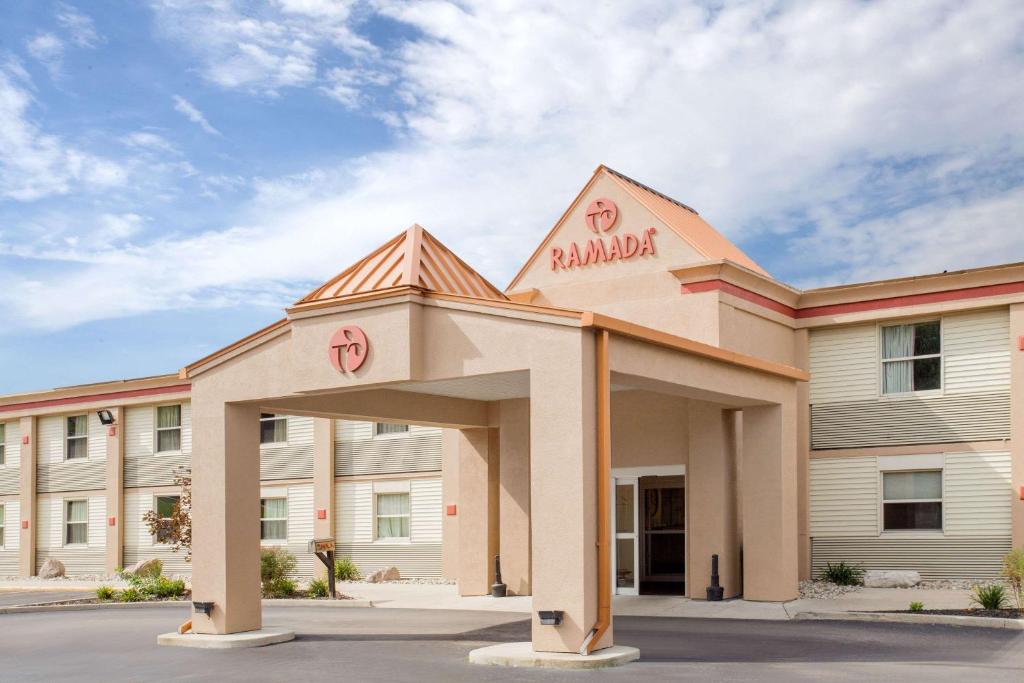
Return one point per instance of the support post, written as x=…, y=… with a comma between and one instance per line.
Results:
x=1017, y=424
x=115, y=491
x=478, y=509
x=27, y=497
x=514, y=494
x=323, y=483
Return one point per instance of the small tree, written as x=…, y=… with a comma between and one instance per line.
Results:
x=176, y=529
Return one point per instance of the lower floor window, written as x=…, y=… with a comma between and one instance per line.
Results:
x=392, y=515
x=76, y=522
x=273, y=519
x=912, y=500
x=3, y=517
x=165, y=506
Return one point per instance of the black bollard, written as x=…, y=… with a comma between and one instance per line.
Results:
x=498, y=589
x=715, y=592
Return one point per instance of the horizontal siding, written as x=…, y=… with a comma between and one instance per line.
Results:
x=977, y=494
x=419, y=451
x=154, y=470
x=941, y=419
x=844, y=497
x=425, y=510
x=415, y=560
x=844, y=364
x=354, y=512
x=976, y=352
x=12, y=444
x=50, y=439
x=958, y=557
x=138, y=543
x=291, y=461
x=80, y=559
x=72, y=475
x=12, y=539
x=142, y=467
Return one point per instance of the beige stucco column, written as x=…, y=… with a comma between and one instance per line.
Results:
x=711, y=490
x=27, y=498
x=1017, y=423
x=450, y=495
x=514, y=495
x=323, y=483
x=802, y=360
x=478, y=509
x=115, y=491
x=563, y=497
x=225, y=507
x=769, y=502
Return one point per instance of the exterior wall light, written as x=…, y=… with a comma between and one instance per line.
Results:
x=106, y=417
x=204, y=607
x=550, y=617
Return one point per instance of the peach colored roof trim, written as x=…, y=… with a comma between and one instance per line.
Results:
x=183, y=373
x=413, y=258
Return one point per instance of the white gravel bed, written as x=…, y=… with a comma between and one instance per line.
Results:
x=825, y=589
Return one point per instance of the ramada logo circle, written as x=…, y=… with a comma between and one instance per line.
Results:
x=348, y=349
x=601, y=215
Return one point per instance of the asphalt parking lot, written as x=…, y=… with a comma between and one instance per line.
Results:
x=367, y=644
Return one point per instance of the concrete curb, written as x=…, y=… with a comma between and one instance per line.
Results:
x=921, y=619
x=327, y=604
x=230, y=641
x=522, y=655
x=184, y=604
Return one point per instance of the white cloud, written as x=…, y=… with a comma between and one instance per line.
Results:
x=148, y=140
x=185, y=107
x=48, y=50
x=79, y=26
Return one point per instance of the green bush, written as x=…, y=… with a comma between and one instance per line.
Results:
x=279, y=588
x=345, y=569
x=275, y=564
x=162, y=587
x=989, y=596
x=105, y=593
x=154, y=571
x=132, y=594
x=916, y=606
x=318, y=588
x=843, y=574
x=1013, y=572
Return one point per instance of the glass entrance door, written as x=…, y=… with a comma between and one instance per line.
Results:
x=625, y=558
x=663, y=535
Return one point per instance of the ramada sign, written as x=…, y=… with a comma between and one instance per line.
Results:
x=602, y=214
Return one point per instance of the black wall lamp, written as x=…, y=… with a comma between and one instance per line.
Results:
x=550, y=617
x=106, y=417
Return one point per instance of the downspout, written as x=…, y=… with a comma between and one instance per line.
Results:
x=604, y=470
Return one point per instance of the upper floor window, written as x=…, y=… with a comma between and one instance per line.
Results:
x=76, y=522
x=273, y=519
x=77, y=437
x=912, y=500
x=911, y=358
x=382, y=428
x=168, y=428
x=273, y=428
x=3, y=444
x=165, y=510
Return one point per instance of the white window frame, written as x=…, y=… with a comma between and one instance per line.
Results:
x=386, y=487
x=275, y=495
x=882, y=360
x=64, y=527
x=67, y=438
x=3, y=444
x=153, y=538
x=390, y=435
x=3, y=525
x=912, y=467
x=273, y=418
x=157, y=429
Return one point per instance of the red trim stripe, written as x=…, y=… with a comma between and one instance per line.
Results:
x=91, y=398
x=854, y=306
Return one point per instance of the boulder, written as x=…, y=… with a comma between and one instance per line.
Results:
x=877, y=578
x=386, y=574
x=51, y=569
x=151, y=567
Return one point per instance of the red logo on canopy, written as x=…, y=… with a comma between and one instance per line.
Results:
x=348, y=349
x=601, y=215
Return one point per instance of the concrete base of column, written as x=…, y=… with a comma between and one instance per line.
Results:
x=230, y=641
x=522, y=654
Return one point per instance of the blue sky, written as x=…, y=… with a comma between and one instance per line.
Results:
x=173, y=173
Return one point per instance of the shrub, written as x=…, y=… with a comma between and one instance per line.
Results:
x=275, y=564
x=318, y=588
x=279, y=588
x=132, y=594
x=989, y=596
x=153, y=571
x=843, y=574
x=345, y=569
x=1013, y=571
x=916, y=606
x=162, y=587
x=105, y=593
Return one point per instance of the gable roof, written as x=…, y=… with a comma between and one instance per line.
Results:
x=680, y=218
x=413, y=258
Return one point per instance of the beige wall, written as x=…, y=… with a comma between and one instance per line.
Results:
x=1017, y=424
x=648, y=429
x=514, y=495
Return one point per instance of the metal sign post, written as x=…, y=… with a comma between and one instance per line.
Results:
x=324, y=549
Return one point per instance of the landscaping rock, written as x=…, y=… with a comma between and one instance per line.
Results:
x=51, y=569
x=382, y=575
x=876, y=578
x=151, y=567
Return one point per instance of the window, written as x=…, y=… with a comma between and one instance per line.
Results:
x=165, y=510
x=77, y=437
x=392, y=515
x=3, y=445
x=168, y=429
x=76, y=522
x=273, y=428
x=273, y=519
x=3, y=516
x=911, y=358
x=383, y=428
x=912, y=501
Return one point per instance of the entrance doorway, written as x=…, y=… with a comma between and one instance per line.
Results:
x=649, y=555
